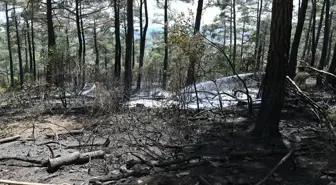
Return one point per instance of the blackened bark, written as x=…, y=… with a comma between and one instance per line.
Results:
x=79, y=36
x=84, y=46
x=96, y=50
x=128, y=58
x=318, y=35
x=325, y=41
x=18, y=43
x=274, y=82
x=142, y=42
x=29, y=48
x=305, y=47
x=257, y=58
x=312, y=62
x=33, y=39
x=11, y=64
x=296, y=42
x=117, y=59
x=165, y=59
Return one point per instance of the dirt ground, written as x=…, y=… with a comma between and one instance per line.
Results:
x=164, y=146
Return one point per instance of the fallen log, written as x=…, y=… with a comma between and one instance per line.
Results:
x=9, y=139
x=70, y=132
x=73, y=158
x=24, y=183
x=112, y=177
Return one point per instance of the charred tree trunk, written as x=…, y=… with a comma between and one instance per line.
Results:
x=165, y=59
x=18, y=43
x=33, y=40
x=51, y=42
x=128, y=58
x=84, y=46
x=96, y=50
x=29, y=48
x=80, y=44
x=332, y=68
x=305, y=47
x=257, y=58
x=318, y=35
x=274, y=82
x=11, y=64
x=117, y=59
x=296, y=42
x=234, y=35
x=325, y=41
x=193, y=59
x=142, y=42
x=312, y=62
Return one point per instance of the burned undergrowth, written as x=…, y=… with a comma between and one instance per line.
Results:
x=159, y=146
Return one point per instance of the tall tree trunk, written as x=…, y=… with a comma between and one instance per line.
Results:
x=96, y=50
x=193, y=59
x=330, y=44
x=80, y=44
x=11, y=64
x=296, y=42
x=305, y=47
x=165, y=59
x=257, y=58
x=18, y=43
x=51, y=42
x=325, y=41
x=33, y=40
x=26, y=52
x=318, y=35
x=133, y=53
x=117, y=59
x=274, y=82
x=142, y=42
x=312, y=62
x=29, y=48
x=234, y=35
x=84, y=46
x=128, y=58
x=332, y=68
x=242, y=42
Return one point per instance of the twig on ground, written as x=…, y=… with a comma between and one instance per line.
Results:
x=9, y=139
x=276, y=167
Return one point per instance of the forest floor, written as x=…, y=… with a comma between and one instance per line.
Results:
x=161, y=146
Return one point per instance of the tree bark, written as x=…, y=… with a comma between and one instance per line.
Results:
x=142, y=42
x=51, y=42
x=18, y=43
x=79, y=36
x=305, y=47
x=33, y=39
x=29, y=48
x=317, y=35
x=84, y=46
x=234, y=35
x=11, y=64
x=128, y=57
x=325, y=41
x=312, y=62
x=96, y=51
x=296, y=42
x=257, y=58
x=274, y=83
x=117, y=59
x=165, y=59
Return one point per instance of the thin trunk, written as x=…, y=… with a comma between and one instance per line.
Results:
x=307, y=38
x=84, y=46
x=234, y=35
x=18, y=43
x=79, y=36
x=257, y=58
x=96, y=50
x=312, y=58
x=142, y=42
x=128, y=61
x=26, y=53
x=193, y=59
x=325, y=41
x=11, y=64
x=296, y=41
x=33, y=40
x=133, y=53
x=332, y=68
x=231, y=16
x=117, y=59
x=165, y=59
x=318, y=34
x=330, y=44
x=29, y=48
x=242, y=42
